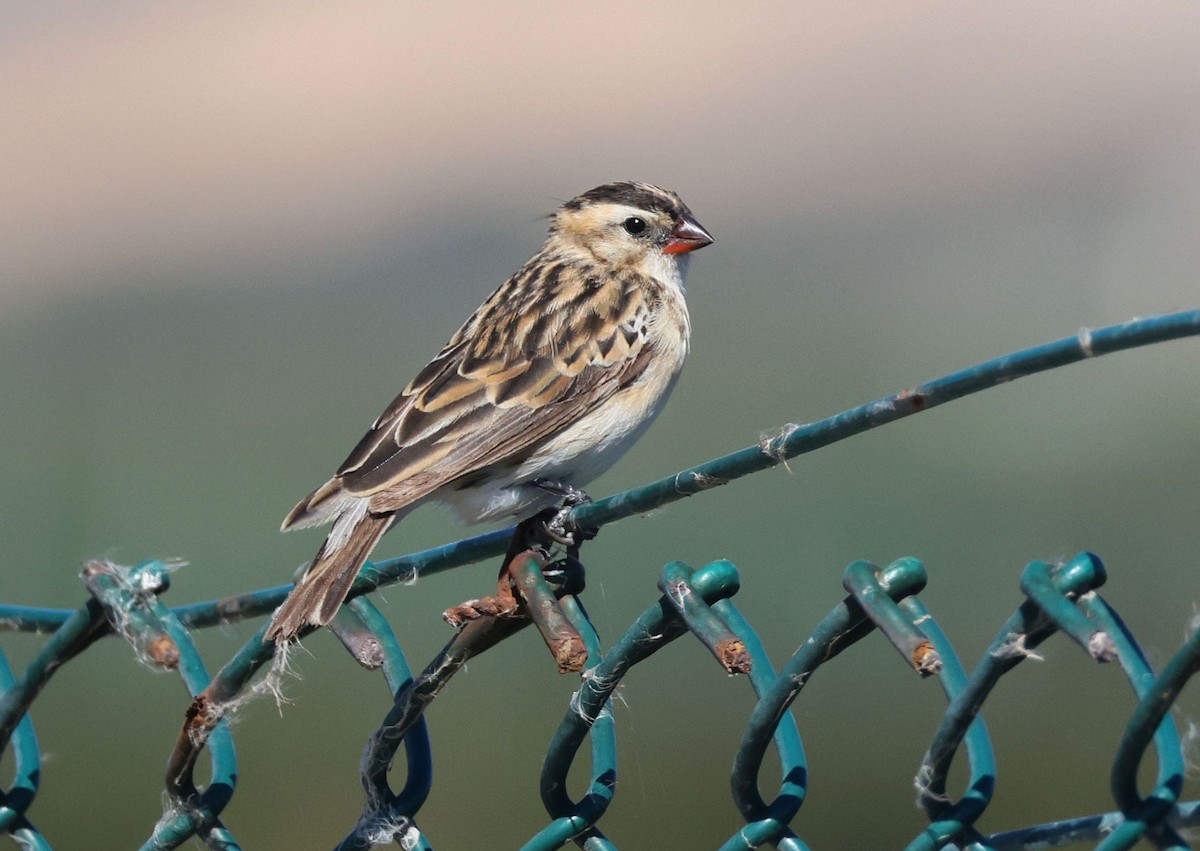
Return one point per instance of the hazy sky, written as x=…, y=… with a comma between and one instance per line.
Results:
x=146, y=139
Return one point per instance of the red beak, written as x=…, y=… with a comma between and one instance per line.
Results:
x=688, y=235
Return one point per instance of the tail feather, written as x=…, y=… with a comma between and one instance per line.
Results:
x=321, y=592
x=323, y=505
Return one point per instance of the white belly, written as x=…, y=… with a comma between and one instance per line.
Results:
x=587, y=447
x=593, y=444
x=574, y=457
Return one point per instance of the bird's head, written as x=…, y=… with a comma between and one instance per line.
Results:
x=628, y=224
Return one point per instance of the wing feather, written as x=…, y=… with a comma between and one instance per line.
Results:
x=512, y=377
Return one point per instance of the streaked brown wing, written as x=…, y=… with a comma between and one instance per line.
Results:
x=537, y=356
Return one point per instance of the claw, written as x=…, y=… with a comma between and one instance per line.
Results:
x=556, y=526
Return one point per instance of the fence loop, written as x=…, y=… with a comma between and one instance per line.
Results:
x=952, y=820
x=658, y=626
x=843, y=626
x=1088, y=574
x=27, y=774
x=701, y=619
x=126, y=595
x=390, y=816
x=571, y=820
x=766, y=822
x=862, y=580
x=193, y=812
x=1147, y=816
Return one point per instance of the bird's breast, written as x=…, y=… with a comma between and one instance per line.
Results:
x=588, y=446
x=594, y=442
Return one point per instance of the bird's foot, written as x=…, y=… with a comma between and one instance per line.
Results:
x=555, y=523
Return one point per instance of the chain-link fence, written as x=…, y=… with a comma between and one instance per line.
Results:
x=1057, y=598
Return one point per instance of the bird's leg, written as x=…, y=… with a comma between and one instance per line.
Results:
x=555, y=526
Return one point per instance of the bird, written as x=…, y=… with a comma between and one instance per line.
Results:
x=542, y=389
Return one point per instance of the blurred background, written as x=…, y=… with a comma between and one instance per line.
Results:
x=231, y=233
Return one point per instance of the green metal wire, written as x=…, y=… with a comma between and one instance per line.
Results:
x=393, y=812
x=956, y=818
x=845, y=625
x=1038, y=583
x=1146, y=816
x=417, y=748
x=1023, y=632
x=1090, y=829
x=862, y=580
x=658, y=626
x=72, y=637
x=28, y=769
x=571, y=820
x=1158, y=816
x=767, y=822
x=195, y=812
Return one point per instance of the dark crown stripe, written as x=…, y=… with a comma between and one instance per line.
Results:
x=639, y=195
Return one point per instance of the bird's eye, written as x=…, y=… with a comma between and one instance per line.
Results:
x=634, y=225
